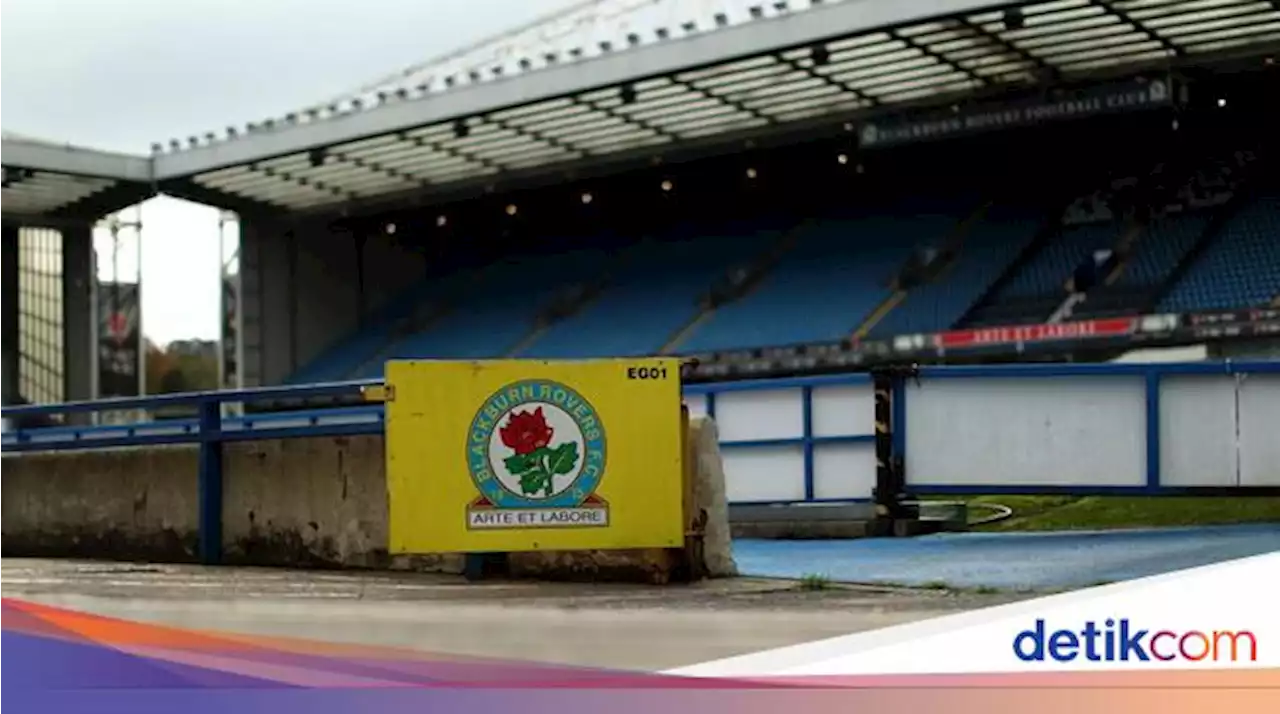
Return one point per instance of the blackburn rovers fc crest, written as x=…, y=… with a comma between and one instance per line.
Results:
x=536, y=452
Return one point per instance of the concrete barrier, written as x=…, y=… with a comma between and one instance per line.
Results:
x=305, y=502
x=314, y=502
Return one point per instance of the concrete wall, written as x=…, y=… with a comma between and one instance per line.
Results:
x=298, y=501
x=318, y=502
x=306, y=287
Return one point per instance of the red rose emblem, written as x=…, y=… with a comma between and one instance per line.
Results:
x=526, y=432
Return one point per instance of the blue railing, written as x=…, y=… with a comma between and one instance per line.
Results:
x=209, y=429
x=807, y=440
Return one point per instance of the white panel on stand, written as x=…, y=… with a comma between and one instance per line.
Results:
x=1198, y=430
x=1041, y=431
x=846, y=410
x=844, y=470
x=764, y=473
x=751, y=415
x=1260, y=430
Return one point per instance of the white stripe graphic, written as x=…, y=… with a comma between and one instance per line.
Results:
x=1236, y=595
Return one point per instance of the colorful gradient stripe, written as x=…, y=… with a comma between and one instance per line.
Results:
x=63, y=661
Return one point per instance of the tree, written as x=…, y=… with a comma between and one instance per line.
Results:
x=169, y=372
x=159, y=363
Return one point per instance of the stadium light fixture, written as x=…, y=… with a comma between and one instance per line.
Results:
x=1013, y=19
x=442, y=221
x=391, y=229
x=843, y=158
x=511, y=209
x=751, y=173
x=1222, y=102
x=587, y=198
x=667, y=185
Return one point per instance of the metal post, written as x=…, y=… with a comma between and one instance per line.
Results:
x=892, y=515
x=210, y=482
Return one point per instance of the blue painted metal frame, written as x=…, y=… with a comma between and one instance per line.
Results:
x=807, y=441
x=1152, y=375
x=209, y=430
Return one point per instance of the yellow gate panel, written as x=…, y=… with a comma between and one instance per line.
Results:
x=516, y=455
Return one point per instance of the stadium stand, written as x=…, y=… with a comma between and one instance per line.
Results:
x=656, y=290
x=1240, y=267
x=837, y=273
x=1000, y=236
x=809, y=264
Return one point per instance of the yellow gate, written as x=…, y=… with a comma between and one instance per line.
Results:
x=517, y=455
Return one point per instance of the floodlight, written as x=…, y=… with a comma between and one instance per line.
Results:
x=511, y=209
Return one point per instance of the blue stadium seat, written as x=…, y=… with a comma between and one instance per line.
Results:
x=837, y=273
x=1240, y=268
x=1166, y=242
x=499, y=306
x=353, y=356
x=987, y=251
x=1046, y=273
x=654, y=291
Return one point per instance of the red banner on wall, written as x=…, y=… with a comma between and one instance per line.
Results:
x=1045, y=332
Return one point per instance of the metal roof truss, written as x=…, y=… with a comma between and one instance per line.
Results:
x=949, y=57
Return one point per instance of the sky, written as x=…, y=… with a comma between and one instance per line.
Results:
x=122, y=74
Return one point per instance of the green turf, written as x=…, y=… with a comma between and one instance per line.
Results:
x=1045, y=513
